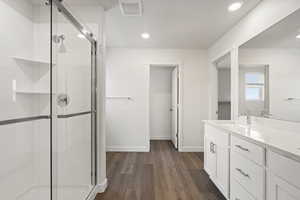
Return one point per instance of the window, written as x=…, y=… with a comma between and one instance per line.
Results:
x=254, y=86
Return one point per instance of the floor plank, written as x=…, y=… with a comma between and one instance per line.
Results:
x=162, y=174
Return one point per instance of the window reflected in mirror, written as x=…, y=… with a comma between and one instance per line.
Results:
x=254, y=86
x=253, y=90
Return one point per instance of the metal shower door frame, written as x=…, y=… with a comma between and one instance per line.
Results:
x=89, y=36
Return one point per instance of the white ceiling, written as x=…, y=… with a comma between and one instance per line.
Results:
x=174, y=23
x=281, y=35
x=106, y=4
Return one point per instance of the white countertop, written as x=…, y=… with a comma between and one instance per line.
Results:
x=284, y=142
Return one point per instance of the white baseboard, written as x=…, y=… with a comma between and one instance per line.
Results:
x=99, y=188
x=192, y=149
x=127, y=149
x=160, y=138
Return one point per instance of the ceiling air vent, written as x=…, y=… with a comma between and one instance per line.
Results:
x=131, y=7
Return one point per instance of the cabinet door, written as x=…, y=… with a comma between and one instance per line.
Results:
x=210, y=158
x=279, y=189
x=222, y=174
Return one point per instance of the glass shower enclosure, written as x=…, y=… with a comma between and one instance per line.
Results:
x=48, y=102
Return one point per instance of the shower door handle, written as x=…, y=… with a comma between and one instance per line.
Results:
x=63, y=100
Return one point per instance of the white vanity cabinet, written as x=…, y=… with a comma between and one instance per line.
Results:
x=245, y=168
x=216, y=157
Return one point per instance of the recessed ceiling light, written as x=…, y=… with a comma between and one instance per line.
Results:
x=235, y=6
x=298, y=36
x=81, y=36
x=145, y=35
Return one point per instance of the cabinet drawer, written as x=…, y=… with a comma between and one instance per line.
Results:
x=248, y=150
x=283, y=167
x=239, y=193
x=248, y=174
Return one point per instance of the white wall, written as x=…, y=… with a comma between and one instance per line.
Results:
x=283, y=78
x=266, y=14
x=128, y=75
x=21, y=144
x=160, y=102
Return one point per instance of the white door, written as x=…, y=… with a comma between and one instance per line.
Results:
x=222, y=167
x=174, y=108
x=279, y=189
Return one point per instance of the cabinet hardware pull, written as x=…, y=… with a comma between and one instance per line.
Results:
x=243, y=173
x=242, y=148
x=237, y=199
x=212, y=147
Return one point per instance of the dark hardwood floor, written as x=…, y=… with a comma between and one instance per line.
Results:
x=162, y=174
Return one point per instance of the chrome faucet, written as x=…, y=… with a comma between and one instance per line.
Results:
x=266, y=114
x=248, y=116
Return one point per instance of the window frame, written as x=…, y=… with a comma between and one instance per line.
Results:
x=259, y=85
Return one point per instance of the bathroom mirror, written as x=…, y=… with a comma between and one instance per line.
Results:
x=269, y=72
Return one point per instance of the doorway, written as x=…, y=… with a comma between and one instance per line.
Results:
x=164, y=101
x=223, y=66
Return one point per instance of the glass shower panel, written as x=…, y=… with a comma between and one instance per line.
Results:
x=24, y=100
x=72, y=125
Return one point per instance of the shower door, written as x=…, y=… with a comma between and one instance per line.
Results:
x=73, y=107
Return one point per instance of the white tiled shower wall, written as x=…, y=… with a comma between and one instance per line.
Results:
x=24, y=148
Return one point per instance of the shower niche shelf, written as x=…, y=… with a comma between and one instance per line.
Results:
x=32, y=92
x=32, y=62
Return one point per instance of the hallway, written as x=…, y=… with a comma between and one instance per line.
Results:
x=162, y=174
